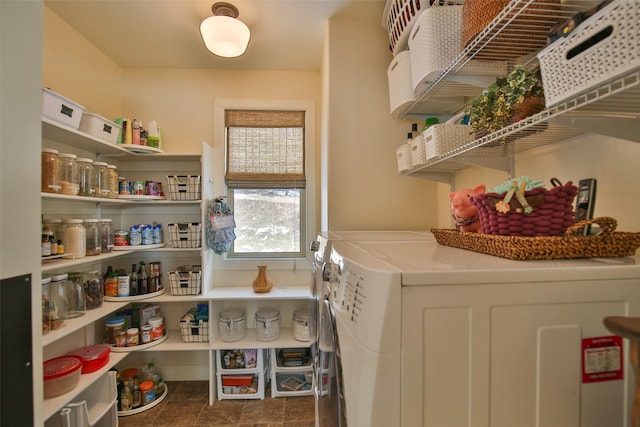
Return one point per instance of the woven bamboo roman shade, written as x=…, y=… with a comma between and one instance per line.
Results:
x=265, y=149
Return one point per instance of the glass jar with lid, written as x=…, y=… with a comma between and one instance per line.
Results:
x=76, y=301
x=86, y=177
x=59, y=295
x=46, y=305
x=74, y=236
x=106, y=229
x=52, y=227
x=93, y=287
x=93, y=237
x=101, y=179
x=69, y=180
x=113, y=181
x=50, y=171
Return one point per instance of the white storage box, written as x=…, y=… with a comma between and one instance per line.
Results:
x=298, y=383
x=436, y=41
x=240, y=361
x=235, y=387
x=100, y=127
x=418, y=152
x=403, y=156
x=60, y=109
x=443, y=138
x=400, y=84
x=600, y=49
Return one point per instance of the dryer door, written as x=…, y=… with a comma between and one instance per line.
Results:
x=329, y=387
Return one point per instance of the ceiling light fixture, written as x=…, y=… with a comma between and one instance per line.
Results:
x=224, y=34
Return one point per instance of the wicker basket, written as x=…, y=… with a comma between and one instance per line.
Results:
x=551, y=216
x=443, y=138
x=535, y=20
x=609, y=243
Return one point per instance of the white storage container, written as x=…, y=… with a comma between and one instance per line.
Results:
x=100, y=127
x=60, y=109
x=400, y=84
x=418, y=152
x=600, y=49
x=299, y=383
x=253, y=391
x=231, y=325
x=267, y=324
x=435, y=42
x=403, y=156
x=240, y=361
x=443, y=138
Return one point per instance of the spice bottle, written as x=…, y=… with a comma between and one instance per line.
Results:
x=125, y=397
x=86, y=177
x=50, y=171
x=69, y=174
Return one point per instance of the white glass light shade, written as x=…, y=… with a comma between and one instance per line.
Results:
x=225, y=36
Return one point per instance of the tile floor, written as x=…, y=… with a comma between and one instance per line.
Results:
x=187, y=404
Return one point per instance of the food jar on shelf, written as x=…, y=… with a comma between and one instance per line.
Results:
x=52, y=227
x=106, y=229
x=50, y=171
x=74, y=236
x=267, y=324
x=231, y=325
x=76, y=300
x=101, y=179
x=94, y=236
x=59, y=295
x=46, y=305
x=301, y=325
x=86, y=177
x=112, y=326
x=69, y=180
x=93, y=287
x=113, y=181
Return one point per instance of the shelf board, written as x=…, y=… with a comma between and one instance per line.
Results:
x=246, y=292
x=54, y=404
x=174, y=343
x=286, y=340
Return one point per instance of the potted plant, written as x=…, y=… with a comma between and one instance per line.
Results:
x=508, y=100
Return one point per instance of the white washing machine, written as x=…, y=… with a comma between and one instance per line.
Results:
x=430, y=335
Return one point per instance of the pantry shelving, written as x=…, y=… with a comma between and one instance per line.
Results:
x=610, y=108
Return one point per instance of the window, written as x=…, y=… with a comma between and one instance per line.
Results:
x=265, y=178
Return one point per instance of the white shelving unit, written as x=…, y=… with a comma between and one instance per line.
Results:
x=607, y=109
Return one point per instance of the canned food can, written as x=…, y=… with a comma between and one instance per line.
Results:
x=121, y=238
x=152, y=188
x=138, y=188
x=125, y=188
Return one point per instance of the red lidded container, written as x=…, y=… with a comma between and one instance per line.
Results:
x=93, y=357
x=61, y=375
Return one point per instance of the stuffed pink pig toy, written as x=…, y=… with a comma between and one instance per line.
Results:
x=464, y=213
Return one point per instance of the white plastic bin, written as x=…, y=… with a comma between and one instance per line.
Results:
x=100, y=127
x=60, y=109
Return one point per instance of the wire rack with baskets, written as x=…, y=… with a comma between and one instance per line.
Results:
x=186, y=280
x=184, y=187
x=185, y=234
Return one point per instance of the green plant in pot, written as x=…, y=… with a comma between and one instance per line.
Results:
x=508, y=100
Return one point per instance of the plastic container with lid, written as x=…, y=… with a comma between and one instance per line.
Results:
x=112, y=325
x=74, y=236
x=93, y=287
x=106, y=229
x=114, y=185
x=147, y=391
x=61, y=375
x=101, y=179
x=86, y=177
x=93, y=357
x=231, y=325
x=267, y=324
x=94, y=236
x=132, y=337
x=59, y=295
x=157, y=327
x=69, y=179
x=301, y=325
x=51, y=171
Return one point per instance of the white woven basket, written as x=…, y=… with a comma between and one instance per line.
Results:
x=418, y=151
x=600, y=49
x=400, y=87
x=403, y=156
x=443, y=138
x=435, y=42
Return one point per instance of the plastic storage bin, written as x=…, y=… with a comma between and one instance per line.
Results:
x=61, y=375
x=184, y=187
x=443, y=138
x=93, y=357
x=403, y=156
x=418, y=151
x=400, y=83
x=248, y=386
x=99, y=127
x=240, y=361
x=60, y=109
x=600, y=49
x=185, y=235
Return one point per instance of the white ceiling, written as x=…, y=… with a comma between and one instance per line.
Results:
x=285, y=34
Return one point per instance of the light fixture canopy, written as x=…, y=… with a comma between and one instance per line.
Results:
x=224, y=34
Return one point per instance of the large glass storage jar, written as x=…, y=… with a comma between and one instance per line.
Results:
x=114, y=189
x=267, y=324
x=50, y=171
x=69, y=180
x=107, y=235
x=76, y=302
x=53, y=227
x=93, y=236
x=74, y=236
x=101, y=180
x=93, y=287
x=86, y=177
x=46, y=305
x=231, y=325
x=59, y=295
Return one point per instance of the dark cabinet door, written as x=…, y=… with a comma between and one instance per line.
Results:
x=16, y=373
